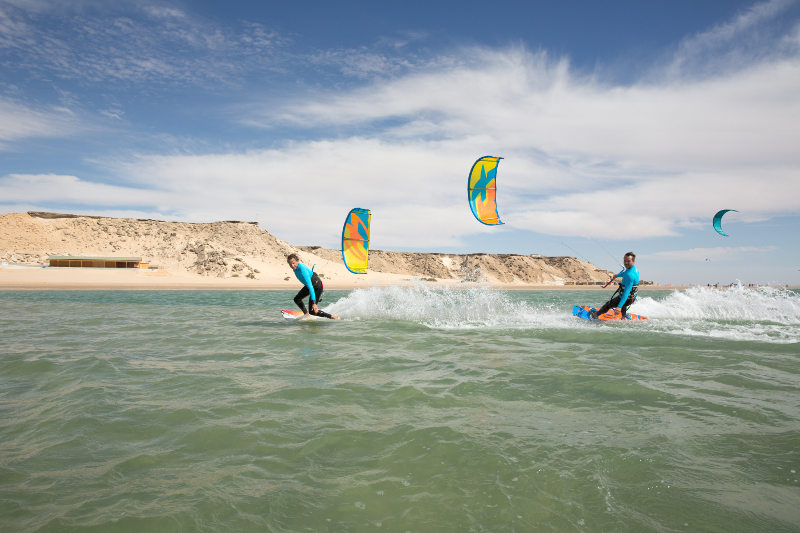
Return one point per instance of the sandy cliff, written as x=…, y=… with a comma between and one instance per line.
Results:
x=243, y=250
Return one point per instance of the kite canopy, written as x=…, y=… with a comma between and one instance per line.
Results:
x=482, y=186
x=718, y=221
x=355, y=240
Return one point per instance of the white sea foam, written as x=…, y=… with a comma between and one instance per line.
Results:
x=737, y=313
x=737, y=303
x=431, y=306
x=455, y=308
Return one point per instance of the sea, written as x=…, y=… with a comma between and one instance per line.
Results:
x=424, y=409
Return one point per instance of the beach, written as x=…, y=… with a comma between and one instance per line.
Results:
x=30, y=277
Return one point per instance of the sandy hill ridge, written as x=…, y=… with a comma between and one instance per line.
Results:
x=244, y=250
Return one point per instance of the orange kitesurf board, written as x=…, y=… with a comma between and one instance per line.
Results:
x=583, y=311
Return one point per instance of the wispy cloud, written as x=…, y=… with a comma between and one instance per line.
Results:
x=745, y=39
x=362, y=63
x=521, y=100
x=709, y=254
x=153, y=44
x=71, y=190
x=18, y=121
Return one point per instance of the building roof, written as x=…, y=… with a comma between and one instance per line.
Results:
x=92, y=258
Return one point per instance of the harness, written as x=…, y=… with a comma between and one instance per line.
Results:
x=631, y=296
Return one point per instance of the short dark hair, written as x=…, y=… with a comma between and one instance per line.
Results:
x=633, y=255
x=292, y=256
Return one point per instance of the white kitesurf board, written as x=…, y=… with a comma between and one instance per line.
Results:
x=296, y=315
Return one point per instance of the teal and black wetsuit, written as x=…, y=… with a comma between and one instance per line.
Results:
x=626, y=293
x=312, y=286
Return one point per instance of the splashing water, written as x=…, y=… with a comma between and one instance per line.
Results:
x=761, y=314
x=440, y=307
x=737, y=303
x=736, y=313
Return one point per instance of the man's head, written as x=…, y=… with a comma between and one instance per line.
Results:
x=293, y=260
x=629, y=259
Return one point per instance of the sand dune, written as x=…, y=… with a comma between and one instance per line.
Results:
x=241, y=255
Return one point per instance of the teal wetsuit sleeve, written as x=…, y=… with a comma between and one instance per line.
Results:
x=303, y=273
x=621, y=274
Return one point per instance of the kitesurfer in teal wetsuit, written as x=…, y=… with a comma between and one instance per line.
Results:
x=312, y=287
x=625, y=294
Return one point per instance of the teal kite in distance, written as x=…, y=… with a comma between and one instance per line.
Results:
x=718, y=221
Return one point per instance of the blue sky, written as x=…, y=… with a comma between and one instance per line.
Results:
x=623, y=125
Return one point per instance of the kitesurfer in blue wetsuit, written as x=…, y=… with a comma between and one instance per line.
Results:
x=312, y=287
x=625, y=294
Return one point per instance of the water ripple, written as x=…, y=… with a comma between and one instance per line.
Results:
x=420, y=411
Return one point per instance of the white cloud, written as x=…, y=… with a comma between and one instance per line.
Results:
x=728, y=46
x=63, y=189
x=12, y=30
x=709, y=254
x=521, y=100
x=19, y=121
x=583, y=156
x=302, y=192
x=122, y=46
x=161, y=12
x=362, y=63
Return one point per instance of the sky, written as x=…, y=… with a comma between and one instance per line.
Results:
x=623, y=125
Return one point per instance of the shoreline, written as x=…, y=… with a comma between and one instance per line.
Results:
x=49, y=278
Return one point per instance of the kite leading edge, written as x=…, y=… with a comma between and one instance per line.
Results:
x=355, y=240
x=482, y=193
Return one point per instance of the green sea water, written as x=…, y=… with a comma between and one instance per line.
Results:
x=421, y=410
